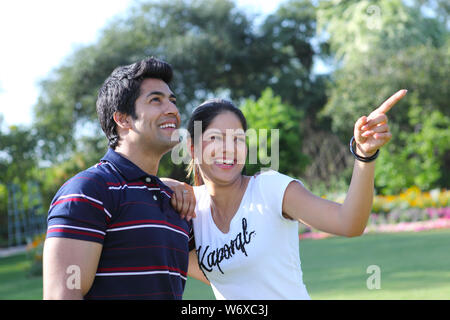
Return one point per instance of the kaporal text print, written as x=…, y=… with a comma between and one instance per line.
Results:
x=210, y=258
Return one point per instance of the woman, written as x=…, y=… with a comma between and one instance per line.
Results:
x=246, y=228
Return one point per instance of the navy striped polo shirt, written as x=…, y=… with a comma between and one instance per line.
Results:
x=145, y=243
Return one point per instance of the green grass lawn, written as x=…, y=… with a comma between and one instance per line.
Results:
x=14, y=282
x=413, y=266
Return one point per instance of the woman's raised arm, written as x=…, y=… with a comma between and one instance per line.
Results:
x=349, y=218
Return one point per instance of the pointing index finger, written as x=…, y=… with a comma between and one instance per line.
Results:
x=389, y=103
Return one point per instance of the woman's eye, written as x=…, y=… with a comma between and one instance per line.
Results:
x=215, y=138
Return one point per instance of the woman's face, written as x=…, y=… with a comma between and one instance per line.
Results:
x=223, y=151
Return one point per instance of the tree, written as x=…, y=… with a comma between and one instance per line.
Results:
x=17, y=157
x=397, y=48
x=208, y=43
x=17, y=166
x=268, y=113
x=215, y=49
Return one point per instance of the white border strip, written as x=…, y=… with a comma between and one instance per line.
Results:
x=147, y=226
x=139, y=273
x=72, y=227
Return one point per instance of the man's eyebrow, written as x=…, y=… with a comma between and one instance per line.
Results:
x=159, y=93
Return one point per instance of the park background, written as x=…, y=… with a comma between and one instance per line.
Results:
x=307, y=68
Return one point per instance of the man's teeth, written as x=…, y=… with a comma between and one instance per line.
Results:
x=168, y=125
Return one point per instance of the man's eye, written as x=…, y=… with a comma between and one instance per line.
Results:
x=155, y=99
x=174, y=102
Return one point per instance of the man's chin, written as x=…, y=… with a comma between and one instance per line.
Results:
x=166, y=145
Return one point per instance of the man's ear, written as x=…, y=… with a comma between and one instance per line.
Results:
x=122, y=120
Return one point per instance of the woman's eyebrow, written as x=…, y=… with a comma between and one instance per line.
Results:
x=213, y=131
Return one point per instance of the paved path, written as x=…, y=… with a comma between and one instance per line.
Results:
x=6, y=252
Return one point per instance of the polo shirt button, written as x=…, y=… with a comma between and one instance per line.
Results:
x=155, y=197
x=148, y=179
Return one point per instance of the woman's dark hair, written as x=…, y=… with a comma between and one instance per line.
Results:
x=206, y=112
x=121, y=89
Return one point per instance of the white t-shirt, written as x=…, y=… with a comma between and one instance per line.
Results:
x=259, y=257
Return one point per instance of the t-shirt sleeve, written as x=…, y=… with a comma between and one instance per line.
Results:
x=78, y=210
x=273, y=186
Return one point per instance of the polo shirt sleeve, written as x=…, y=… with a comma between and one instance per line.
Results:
x=191, y=237
x=79, y=209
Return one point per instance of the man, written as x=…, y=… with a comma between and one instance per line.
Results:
x=112, y=232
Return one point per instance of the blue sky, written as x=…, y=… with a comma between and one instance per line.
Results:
x=37, y=35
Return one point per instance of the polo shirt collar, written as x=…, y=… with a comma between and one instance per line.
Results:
x=127, y=169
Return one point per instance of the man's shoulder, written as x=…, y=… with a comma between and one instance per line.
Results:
x=100, y=175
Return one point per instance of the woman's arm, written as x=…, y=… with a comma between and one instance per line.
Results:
x=350, y=218
x=194, y=270
x=183, y=198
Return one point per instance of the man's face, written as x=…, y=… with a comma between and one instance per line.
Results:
x=157, y=116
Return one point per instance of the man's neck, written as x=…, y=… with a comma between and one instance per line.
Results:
x=146, y=161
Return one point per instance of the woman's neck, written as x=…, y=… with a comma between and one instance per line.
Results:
x=226, y=198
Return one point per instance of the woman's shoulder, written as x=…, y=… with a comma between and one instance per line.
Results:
x=270, y=176
x=273, y=180
x=201, y=199
x=200, y=191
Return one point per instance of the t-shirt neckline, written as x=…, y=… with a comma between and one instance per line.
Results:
x=244, y=198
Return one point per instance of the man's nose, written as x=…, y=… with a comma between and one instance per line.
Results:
x=171, y=108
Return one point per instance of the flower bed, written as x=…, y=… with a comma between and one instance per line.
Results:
x=412, y=210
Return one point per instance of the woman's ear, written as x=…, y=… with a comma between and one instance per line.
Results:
x=122, y=120
x=190, y=146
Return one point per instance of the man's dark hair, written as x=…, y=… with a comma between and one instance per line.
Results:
x=121, y=89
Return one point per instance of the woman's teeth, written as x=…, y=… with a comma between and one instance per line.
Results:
x=228, y=162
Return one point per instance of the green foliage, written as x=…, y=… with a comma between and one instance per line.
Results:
x=269, y=112
x=381, y=47
x=212, y=45
x=207, y=46
x=214, y=48
x=17, y=165
x=415, y=158
x=3, y=215
x=355, y=28
x=289, y=40
x=17, y=154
